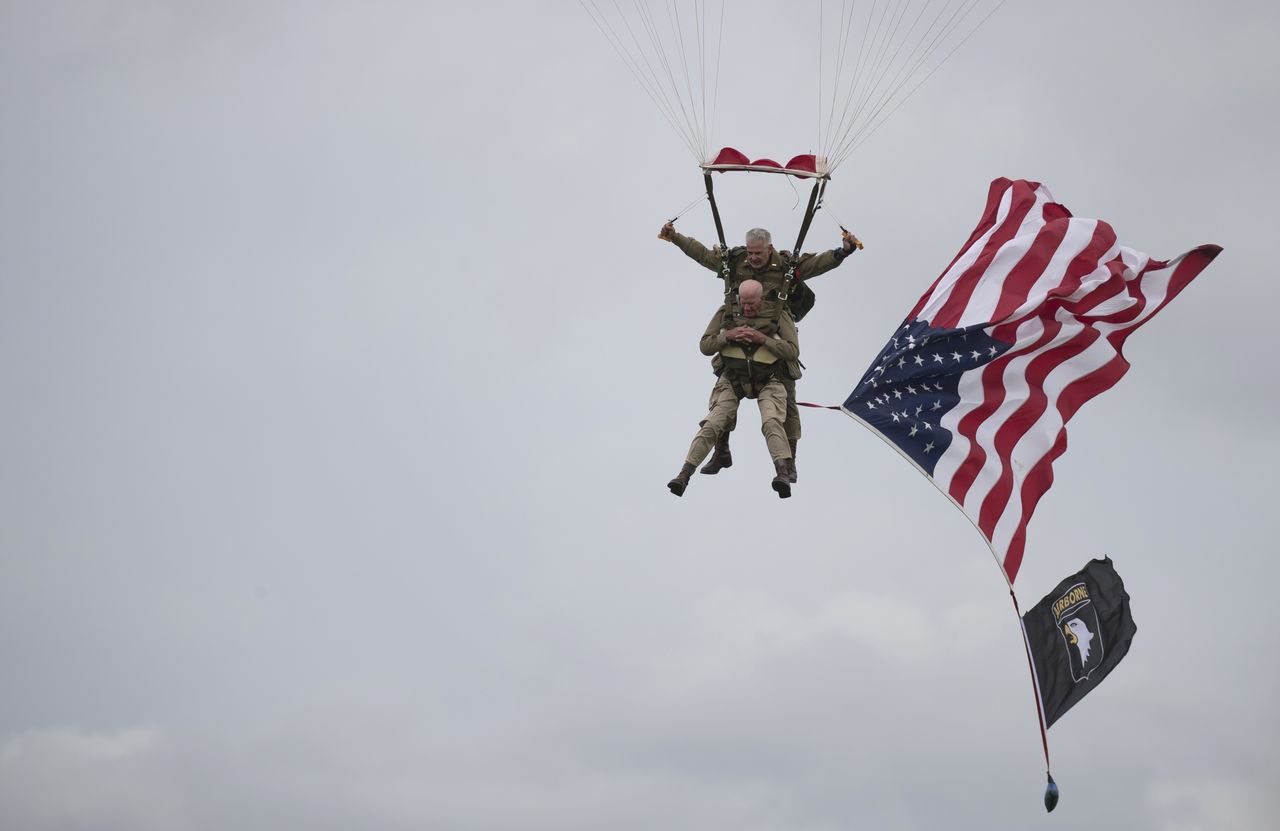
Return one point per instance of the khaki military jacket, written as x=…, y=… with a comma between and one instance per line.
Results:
x=783, y=345
x=773, y=272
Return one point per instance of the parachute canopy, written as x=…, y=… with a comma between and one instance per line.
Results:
x=806, y=166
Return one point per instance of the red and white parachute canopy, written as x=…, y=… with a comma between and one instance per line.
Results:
x=807, y=166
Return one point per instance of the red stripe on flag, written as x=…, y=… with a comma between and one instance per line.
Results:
x=1114, y=286
x=1040, y=476
x=1023, y=419
x=993, y=394
x=1037, y=483
x=949, y=315
x=1192, y=263
x=994, y=196
x=1082, y=265
x=1017, y=285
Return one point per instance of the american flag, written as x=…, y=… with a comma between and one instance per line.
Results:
x=1025, y=325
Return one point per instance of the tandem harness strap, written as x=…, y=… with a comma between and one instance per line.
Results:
x=726, y=272
x=789, y=278
x=742, y=372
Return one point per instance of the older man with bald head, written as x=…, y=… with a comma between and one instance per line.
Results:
x=752, y=353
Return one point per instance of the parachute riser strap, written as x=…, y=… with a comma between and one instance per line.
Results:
x=788, y=278
x=725, y=271
x=715, y=210
x=815, y=202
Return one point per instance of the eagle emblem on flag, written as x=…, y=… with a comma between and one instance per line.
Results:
x=1082, y=639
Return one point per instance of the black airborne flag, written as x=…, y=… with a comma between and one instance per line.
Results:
x=1077, y=634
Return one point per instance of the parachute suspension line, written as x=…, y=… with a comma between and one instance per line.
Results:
x=669, y=51
x=650, y=84
x=680, y=125
x=853, y=82
x=915, y=55
x=875, y=55
x=715, y=87
x=699, y=17
x=857, y=243
x=655, y=36
x=836, y=219
x=699, y=41
x=715, y=214
x=868, y=51
x=677, y=33
x=901, y=45
x=869, y=68
x=922, y=54
x=815, y=203
x=688, y=207
x=701, y=30
x=655, y=40
x=928, y=75
x=795, y=204
x=704, y=57
x=700, y=25
x=726, y=272
x=842, y=48
x=884, y=64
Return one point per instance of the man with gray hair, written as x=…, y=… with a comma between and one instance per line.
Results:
x=758, y=260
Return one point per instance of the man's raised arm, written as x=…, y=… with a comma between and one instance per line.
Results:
x=693, y=249
x=811, y=265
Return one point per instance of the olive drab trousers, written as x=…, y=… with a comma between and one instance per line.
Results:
x=722, y=410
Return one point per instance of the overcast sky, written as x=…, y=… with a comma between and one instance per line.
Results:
x=342, y=376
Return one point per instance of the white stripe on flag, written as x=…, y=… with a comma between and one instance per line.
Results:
x=1014, y=387
x=942, y=290
x=1041, y=436
x=991, y=286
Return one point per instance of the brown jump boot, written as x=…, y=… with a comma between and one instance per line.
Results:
x=791, y=464
x=678, y=484
x=721, y=458
x=781, y=483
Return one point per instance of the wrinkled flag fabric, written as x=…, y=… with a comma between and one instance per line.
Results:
x=1025, y=325
x=1077, y=634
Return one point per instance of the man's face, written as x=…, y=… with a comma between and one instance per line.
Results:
x=750, y=304
x=758, y=253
